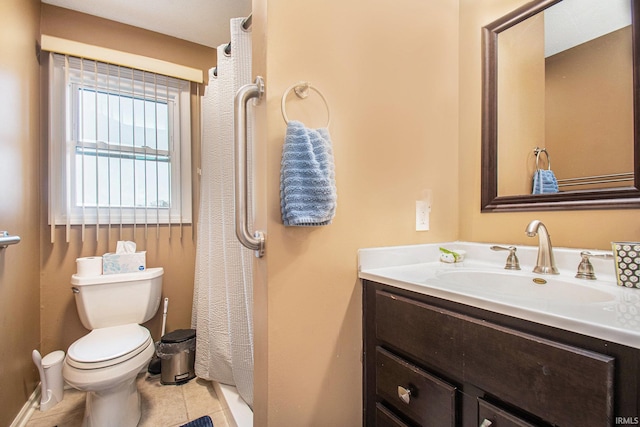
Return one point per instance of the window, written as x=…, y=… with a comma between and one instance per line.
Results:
x=119, y=145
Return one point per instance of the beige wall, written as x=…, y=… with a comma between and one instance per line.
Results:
x=579, y=229
x=71, y=25
x=590, y=132
x=60, y=324
x=20, y=203
x=521, y=115
x=389, y=72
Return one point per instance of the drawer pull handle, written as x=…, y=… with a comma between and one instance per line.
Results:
x=404, y=394
x=485, y=423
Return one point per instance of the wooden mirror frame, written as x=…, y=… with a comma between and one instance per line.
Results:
x=618, y=198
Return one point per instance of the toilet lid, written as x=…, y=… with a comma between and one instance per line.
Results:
x=111, y=344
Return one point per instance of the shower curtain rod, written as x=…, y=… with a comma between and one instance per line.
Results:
x=246, y=24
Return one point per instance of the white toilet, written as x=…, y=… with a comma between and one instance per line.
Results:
x=105, y=362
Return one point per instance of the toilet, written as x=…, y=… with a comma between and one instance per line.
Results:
x=106, y=361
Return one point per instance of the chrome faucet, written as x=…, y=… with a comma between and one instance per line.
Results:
x=545, y=264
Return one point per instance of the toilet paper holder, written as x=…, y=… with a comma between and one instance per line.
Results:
x=6, y=239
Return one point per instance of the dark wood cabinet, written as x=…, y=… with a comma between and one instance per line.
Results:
x=432, y=362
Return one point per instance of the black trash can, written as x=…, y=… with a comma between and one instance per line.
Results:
x=177, y=353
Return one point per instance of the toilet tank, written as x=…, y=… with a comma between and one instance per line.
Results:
x=117, y=299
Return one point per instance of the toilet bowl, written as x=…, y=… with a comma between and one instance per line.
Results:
x=105, y=362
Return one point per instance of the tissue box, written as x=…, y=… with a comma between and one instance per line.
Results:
x=113, y=263
x=627, y=260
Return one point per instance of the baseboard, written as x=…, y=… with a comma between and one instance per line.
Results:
x=28, y=409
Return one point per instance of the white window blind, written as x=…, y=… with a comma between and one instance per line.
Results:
x=119, y=142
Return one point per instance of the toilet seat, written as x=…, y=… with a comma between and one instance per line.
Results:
x=110, y=346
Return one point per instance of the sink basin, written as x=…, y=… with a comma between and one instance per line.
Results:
x=517, y=285
x=598, y=308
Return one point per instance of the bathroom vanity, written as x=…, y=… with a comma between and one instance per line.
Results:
x=440, y=350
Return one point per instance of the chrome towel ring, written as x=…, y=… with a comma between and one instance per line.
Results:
x=301, y=89
x=537, y=151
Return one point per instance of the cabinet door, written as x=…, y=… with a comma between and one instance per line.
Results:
x=562, y=384
x=422, y=397
x=492, y=416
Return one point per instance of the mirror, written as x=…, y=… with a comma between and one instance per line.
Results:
x=572, y=97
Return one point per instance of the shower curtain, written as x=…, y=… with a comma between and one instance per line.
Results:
x=223, y=292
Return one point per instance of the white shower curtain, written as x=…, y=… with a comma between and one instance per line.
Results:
x=223, y=291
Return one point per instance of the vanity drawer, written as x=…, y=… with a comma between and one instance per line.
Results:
x=430, y=335
x=385, y=418
x=492, y=416
x=565, y=385
x=431, y=401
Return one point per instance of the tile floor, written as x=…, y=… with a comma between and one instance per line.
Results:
x=162, y=405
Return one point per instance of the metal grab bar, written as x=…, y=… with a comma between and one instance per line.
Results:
x=6, y=239
x=244, y=94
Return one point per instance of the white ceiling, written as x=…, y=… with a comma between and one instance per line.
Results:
x=204, y=22
x=573, y=22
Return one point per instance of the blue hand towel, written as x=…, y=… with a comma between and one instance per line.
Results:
x=307, y=177
x=544, y=182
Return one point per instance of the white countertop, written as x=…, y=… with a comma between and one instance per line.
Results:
x=598, y=308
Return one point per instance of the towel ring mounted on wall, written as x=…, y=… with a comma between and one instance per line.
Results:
x=301, y=89
x=537, y=151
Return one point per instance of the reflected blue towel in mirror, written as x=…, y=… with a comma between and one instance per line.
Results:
x=544, y=182
x=308, y=194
